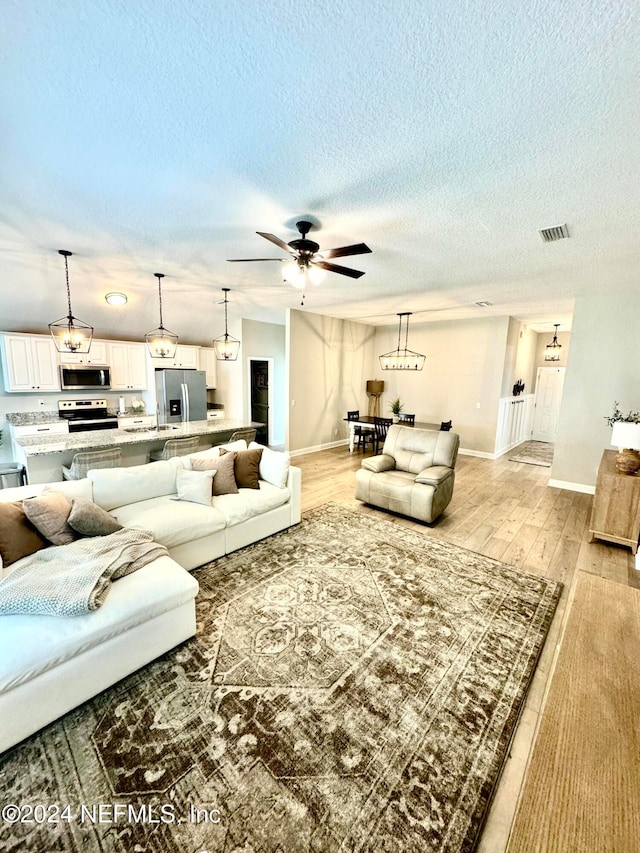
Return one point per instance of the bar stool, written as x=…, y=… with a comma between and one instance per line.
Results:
x=249, y=434
x=15, y=469
x=88, y=459
x=175, y=447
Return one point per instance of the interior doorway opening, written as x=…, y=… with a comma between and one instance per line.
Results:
x=261, y=396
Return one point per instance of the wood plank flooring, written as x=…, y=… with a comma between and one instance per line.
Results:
x=507, y=511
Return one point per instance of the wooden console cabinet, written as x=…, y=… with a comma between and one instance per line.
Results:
x=615, y=515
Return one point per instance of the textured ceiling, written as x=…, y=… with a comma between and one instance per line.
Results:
x=153, y=136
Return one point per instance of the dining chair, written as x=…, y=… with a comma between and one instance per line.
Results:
x=445, y=426
x=381, y=427
x=406, y=419
x=361, y=433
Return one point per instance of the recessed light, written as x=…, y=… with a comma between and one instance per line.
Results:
x=116, y=298
x=483, y=303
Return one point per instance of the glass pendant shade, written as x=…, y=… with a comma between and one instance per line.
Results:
x=226, y=346
x=69, y=333
x=552, y=350
x=300, y=274
x=402, y=358
x=161, y=343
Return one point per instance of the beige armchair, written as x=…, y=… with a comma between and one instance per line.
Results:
x=414, y=475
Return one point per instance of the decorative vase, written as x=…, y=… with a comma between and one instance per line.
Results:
x=628, y=461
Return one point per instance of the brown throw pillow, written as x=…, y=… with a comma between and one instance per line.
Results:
x=246, y=468
x=18, y=537
x=224, y=482
x=90, y=519
x=48, y=513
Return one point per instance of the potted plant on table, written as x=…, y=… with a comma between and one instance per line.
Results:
x=396, y=407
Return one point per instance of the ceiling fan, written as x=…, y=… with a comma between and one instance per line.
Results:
x=308, y=261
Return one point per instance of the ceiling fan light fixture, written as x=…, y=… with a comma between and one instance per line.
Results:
x=402, y=358
x=161, y=343
x=69, y=333
x=226, y=346
x=552, y=350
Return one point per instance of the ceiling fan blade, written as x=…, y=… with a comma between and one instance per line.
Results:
x=335, y=268
x=355, y=249
x=244, y=260
x=276, y=240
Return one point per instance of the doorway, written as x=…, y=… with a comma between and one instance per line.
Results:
x=549, y=385
x=260, y=396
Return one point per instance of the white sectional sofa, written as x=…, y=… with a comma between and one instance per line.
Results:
x=50, y=664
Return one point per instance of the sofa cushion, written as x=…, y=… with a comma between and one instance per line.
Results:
x=114, y=487
x=18, y=536
x=250, y=502
x=416, y=449
x=194, y=486
x=49, y=513
x=274, y=465
x=89, y=519
x=171, y=522
x=34, y=644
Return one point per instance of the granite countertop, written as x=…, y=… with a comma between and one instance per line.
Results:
x=43, y=445
x=50, y=416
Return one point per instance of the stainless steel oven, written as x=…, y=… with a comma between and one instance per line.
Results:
x=85, y=377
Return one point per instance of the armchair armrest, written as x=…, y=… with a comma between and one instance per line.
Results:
x=379, y=463
x=434, y=475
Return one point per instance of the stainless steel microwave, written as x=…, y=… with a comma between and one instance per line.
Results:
x=85, y=377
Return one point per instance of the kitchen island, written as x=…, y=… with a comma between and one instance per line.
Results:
x=44, y=456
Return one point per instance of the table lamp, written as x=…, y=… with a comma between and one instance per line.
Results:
x=625, y=435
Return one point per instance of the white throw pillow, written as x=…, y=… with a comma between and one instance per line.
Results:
x=114, y=487
x=274, y=465
x=194, y=486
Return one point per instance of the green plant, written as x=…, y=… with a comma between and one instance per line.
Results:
x=631, y=417
x=396, y=406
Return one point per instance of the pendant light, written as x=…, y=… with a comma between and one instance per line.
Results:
x=161, y=342
x=226, y=346
x=70, y=334
x=402, y=359
x=552, y=352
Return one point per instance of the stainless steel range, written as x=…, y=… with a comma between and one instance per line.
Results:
x=86, y=414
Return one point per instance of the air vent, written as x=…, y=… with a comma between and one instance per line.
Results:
x=550, y=235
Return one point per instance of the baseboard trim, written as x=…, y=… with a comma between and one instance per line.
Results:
x=483, y=454
x=317, y=447
x=572, y=487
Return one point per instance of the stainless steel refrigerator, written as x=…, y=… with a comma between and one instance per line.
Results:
x=181, y=396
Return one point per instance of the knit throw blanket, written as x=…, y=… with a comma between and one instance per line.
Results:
x=69, y=580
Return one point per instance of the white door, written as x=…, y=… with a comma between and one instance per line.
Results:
x=549, y=383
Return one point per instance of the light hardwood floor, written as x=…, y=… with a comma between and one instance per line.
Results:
x=507, y=511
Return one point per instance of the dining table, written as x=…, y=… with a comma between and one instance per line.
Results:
x=368, y=422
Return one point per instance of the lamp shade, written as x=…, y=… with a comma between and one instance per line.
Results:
x=626, y=435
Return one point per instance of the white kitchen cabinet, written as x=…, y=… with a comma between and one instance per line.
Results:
x=54, y=428
x=97, y=355
x=209, y=363
x=137, y=422
x=30, y=363
x=128, y=366
x=215, y=414
x=186, y=357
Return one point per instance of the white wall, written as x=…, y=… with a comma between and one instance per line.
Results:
x=464, y=368
x=263, y=341
x=604, y=367
x=329, y=362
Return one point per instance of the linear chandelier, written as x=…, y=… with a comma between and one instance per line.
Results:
x=161, y=342
x=402, y=358
x=226, y=346
x=70, y=334
x=552, y=351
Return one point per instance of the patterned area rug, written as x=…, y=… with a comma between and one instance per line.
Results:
x=353, y=686
x=534, y=453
